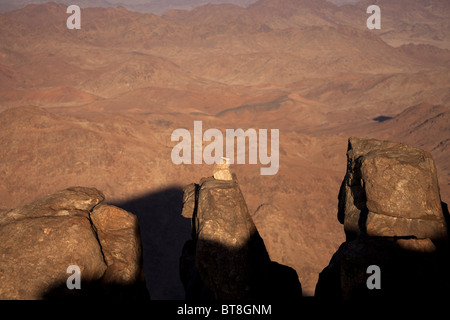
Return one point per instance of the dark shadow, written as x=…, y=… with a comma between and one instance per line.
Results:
x=163, y=232
x=411, y=268
x=359, y=201
x=446, y=216
x=96, y=291
x=408, y=272
x=193, y=285
x=264, y=280
x=362, y=221
x=382, y=118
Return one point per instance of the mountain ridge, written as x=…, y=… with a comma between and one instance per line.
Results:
x=98, y=106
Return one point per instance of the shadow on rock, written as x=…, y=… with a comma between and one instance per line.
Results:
x=242, y=276
x=409, y=268
x=396, y=227
x=226, y=258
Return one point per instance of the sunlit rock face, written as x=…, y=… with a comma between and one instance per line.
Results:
x=227, y=254
x=395, y=223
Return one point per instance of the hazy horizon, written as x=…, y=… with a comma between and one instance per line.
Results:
x=144, y=6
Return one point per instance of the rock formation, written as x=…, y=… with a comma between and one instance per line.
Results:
x=227, y=259
x=390, y=189
x=222, y=170
x=389, y=204
x=39, y=241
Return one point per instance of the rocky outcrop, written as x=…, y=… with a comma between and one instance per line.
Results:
x=119, y=238
x=227, y=259
x=389, y=204
x=390, y=189
x=39, y=241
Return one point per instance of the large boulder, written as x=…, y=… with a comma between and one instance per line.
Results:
x=70, y=201
x=36, y=252
x=39, y=241
x=224, y=229
x=390, y=206
x=120, y=240
x=227, y=254
x=390, y=189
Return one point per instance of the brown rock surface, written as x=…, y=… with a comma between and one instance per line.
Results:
x=189, y=200
x=390, y=189
x=390, y=206
x=224, y=229
x=120, y=240
x=227, y=250
x=71, y=201
x=35, y=254
x=39, y=241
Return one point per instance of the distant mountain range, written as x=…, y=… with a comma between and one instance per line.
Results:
x=153, y=6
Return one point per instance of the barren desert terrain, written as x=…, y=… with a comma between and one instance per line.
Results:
x=96, y=107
